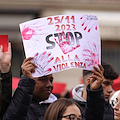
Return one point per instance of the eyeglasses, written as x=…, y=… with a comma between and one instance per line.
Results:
x=71, y=117
x=115, y=102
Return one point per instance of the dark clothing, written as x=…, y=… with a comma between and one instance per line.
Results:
x=5, y=91
x=94, y=108
x=23, y=106
x=108, y=112
x=36, y=111
x=95, y=104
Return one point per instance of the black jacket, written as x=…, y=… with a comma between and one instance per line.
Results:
x=95, y=104
x=93, y=109
x=108, y=112
x=5, y=91
x=23, y=106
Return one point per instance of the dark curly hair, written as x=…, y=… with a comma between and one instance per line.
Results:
x=109, y=71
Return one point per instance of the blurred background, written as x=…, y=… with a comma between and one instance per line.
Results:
x=14, y=12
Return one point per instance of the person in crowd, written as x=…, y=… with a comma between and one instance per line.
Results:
x=110, y=75
x=5, y=79
x=67, y=109
x=80, y=94
x=63, y=109
x=117, y=107
x=115, y=103
x=113, y=98
x=32, y=96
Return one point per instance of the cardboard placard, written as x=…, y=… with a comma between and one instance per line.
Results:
x=62, y=42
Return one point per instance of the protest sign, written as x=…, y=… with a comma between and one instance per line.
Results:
x=62, y=42
x=4, y=42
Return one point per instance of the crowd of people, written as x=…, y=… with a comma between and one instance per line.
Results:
x=33, y=98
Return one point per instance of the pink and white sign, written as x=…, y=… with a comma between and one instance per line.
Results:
x=62, y=42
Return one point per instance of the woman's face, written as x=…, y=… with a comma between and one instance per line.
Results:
x=117, y=108
x=72, y=113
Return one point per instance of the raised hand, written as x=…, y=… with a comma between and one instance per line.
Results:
x=97, y=77
x=28, y=67
x=5, y=59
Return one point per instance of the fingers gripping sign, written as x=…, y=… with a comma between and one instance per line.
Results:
x=42, y=60
x=96, y=78
x=28, y=67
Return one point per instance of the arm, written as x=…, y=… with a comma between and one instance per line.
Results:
x=22, y=97
x=95, y=104
x=95, y=96
x=21, y=100
x=5, y=79
x=6, y=82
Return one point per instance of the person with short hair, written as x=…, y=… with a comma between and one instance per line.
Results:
x=67, y=109
x=79, y=93
x=109, y=76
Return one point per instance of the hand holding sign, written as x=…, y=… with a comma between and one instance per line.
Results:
x=96, y=78
x=28, y=67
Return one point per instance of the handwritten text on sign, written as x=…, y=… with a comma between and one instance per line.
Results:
x=62, y=42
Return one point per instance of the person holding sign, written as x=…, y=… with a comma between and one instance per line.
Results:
x=5, y=78
x=32, y=96
x=109, y=75
x=67, y=109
